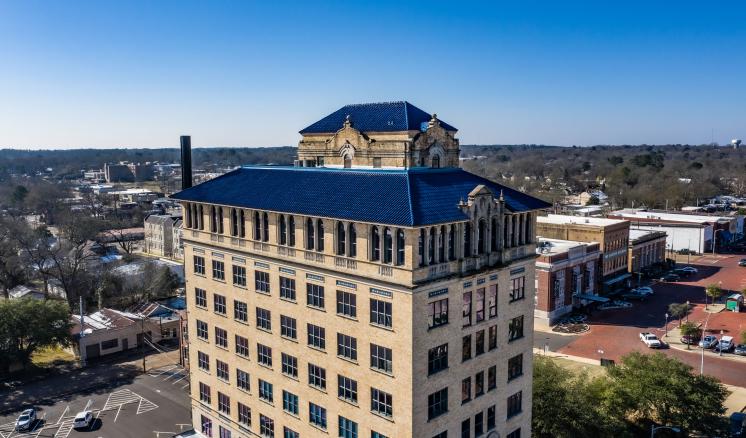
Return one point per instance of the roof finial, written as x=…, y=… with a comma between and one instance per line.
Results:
x=501, y=195
x=347, y=121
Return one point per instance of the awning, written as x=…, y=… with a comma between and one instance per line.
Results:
x=617, y=279
x=590, y=297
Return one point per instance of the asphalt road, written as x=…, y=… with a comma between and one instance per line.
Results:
x=150, y=405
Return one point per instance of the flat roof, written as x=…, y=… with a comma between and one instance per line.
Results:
x=561, y=219
x=558, y=246
x=636, y=233
x=665, y=216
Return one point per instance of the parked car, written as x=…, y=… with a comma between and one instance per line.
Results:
x=670, y=277
x=725, y=344
x=738, y=424
x=689, y=339
x=690, y=269
x=740, y=350
x=643, y=290
x=708, y=341
x=633, y=295
x=742, y=262
x=82, y=419
x=26, y=420
x=650, y=340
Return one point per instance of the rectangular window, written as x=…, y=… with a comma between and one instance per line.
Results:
x=380, y=313
x=288, y=327
x=466, y=428
x=479, y=343
x=438, y=313
x=347, y=428
x=346, y=304
x=479, y=425
x=480, y=305
x=381, y=402
x=202, y=330
x=317, y=415
x=374, y=434
x=111, y=343
x=199, y=265
x=244, y=414
x=316, y=376
x=287, y=288
x=437, y=403
x=243, y=380
x=222, y=370
x=264, y=355
x=203, y=361
x=491, y=378
x=239, y=276
x=443, y=434
x=346, y=346
x=264, y=319
x=316, y=336
x=204, y=393
x=515, y=328
x=518, y=288
x=466, y=310
x=221, y=337
x=466, y=390
x=266, y=391
x=266, y=426
x=479, y=384
x=492, y=301
x=289, y=365
x=514, y=434
x=437, y=359
x=261, y=282
x=200, y=297
x=290, y=402
x=515, y=367
x=242, y=346
x=240, y=311
x=514, y=404
x=492, y=336
x=381, y=358
x=206, y=426
x=346, y=388
x=224, y=403
x=491, y=417
x=218, y=304
x=289, y=433
x=315, y=295
x=218, y=270
x=466, y=348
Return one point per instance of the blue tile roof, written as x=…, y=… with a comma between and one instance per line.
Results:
x=404, y=197
x=375, y=117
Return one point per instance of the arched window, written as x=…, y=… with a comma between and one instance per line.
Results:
x=467, y=239
x=201, y=217
x=188, y=216
x=341, y=241
x=452, y=242
x=388, y=242
x=431, y=247
x=421, y=247
x=481, y=231
x=291, y=231
x=265, y=227
x=442, y=244
x=506, y=242
x=319, y=235
x=375, y=244
x=213, y=219
x=495, y=230
x=400, y=244
x=257, y=226
x=242, y=224
x=436, y=161
x=353, y=241
x=347, y=161
x=220, y=220
x=310, y=235
x=283, y=230
x=234, y=222
x=528, y=238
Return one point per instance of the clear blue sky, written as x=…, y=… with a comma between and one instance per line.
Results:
x=140, y=73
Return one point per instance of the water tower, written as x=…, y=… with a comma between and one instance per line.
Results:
x=735, y=142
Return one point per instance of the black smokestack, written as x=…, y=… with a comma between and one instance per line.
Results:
x=186, y=162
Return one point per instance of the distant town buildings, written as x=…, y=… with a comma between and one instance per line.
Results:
x=163, y=235
x=128, y=172
x=647, y=248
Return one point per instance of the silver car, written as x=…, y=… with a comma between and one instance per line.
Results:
x=708, y=341
x=26, y=420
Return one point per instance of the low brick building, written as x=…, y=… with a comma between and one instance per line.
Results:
x=647, y=248
x=567, y=277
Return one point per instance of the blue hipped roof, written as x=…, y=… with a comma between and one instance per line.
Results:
x=404, y=197
x=375, y=117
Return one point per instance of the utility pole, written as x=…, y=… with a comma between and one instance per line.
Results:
x=81, y=347
x=142, y=333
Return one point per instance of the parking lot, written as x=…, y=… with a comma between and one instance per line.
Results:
x=151, y=405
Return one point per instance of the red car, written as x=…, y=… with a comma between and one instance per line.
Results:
x=691, y=340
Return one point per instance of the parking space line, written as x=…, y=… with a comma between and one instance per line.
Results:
x=182, y=378
x=118, y=411
x=67, y=408
x=162, y=371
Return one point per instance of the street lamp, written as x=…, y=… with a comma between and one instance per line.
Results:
x=704, y=332
x=687, y=310
x=720, y=343
x=666, y=334
x=653, y=429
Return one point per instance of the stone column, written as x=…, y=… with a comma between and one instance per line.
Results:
x=509, y=242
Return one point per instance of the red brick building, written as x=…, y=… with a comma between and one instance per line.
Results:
x=567, y=277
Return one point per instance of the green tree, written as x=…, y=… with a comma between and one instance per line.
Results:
x=653, y=388
x=27, y=325
x=714, y=292
x=743, y=337
x=678, y=311
x=689, y=329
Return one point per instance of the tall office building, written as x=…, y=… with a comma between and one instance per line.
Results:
x=375, y=290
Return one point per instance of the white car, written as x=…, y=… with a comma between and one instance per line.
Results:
x=26, y=419
x=82, y=419
x=650, y=340
x=690, y=269
x=643, y=290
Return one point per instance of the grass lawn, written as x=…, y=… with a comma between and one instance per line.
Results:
x=592, y=370
x=48, y=356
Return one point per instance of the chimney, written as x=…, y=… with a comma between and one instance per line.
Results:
x=186, y=162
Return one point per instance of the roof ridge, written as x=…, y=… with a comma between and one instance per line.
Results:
x=406, y=114
x=409, y=199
